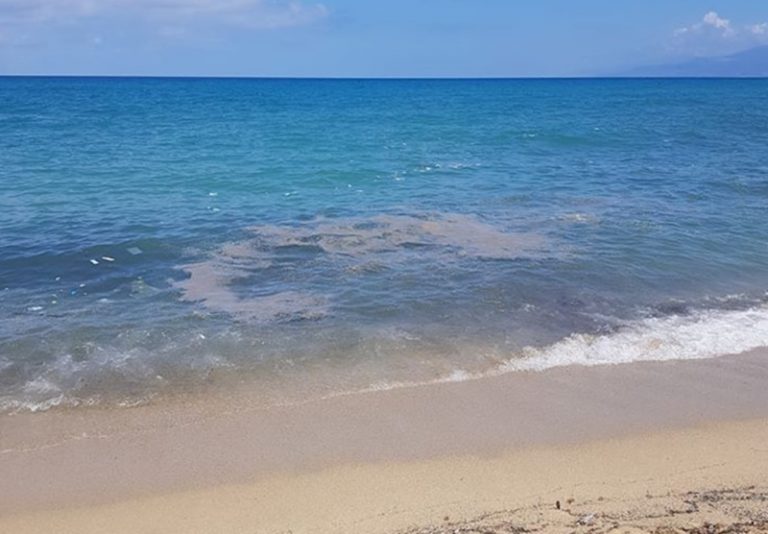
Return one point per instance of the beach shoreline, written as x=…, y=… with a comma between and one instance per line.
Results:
x=393, y=460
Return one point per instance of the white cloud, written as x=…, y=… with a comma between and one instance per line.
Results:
x=714, y=34
x=716, y=21
x=249, y=13
x=709, y=22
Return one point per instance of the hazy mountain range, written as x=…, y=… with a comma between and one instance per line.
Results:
x=748, y=63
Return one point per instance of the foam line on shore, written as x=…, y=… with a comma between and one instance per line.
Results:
x=700, y=335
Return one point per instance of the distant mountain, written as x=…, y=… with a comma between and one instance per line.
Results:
x=749, y=63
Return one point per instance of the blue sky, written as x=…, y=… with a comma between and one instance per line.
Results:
x=368, y=37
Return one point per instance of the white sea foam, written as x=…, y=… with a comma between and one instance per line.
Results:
x=705, y=334
x=578, y=217
x=16, y=405
x=108, y=371
x=700, y=335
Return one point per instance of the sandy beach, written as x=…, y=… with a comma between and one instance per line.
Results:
x=647, y=446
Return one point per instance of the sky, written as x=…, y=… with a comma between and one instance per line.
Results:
x=369, y=38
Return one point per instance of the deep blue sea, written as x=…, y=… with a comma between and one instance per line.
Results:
x=162, y=236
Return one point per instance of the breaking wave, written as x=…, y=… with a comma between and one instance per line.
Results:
x=699, y=335
x=702, y=335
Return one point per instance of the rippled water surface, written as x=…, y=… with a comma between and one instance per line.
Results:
x=167, y=235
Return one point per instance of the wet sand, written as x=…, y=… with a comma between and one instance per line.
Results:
x=398, y=460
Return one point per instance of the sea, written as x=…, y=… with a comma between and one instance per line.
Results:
x=305, y=238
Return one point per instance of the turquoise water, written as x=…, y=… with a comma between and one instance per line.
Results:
x=166, y=235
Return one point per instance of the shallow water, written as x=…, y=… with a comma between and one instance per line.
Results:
x=161, y=236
